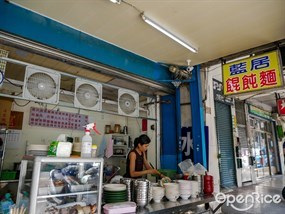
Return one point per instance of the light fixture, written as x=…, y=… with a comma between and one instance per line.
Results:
x=116, y=1
x=167, y=33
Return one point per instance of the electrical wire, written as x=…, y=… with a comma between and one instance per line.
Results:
x=20, y=104
x=140, y=128
x=133, y=6
x=20, y=86
x=54, y=107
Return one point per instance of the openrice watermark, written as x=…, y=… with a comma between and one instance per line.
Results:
x=249, y=200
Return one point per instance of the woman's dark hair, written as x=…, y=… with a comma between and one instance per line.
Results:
x=136, y=142
x=143, y=139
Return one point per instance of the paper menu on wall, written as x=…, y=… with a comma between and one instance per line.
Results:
x=57, y=119
x=13, y=139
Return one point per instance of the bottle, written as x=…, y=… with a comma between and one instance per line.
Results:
x=93, y=151
x=86, y=145
x=25, y=201
x=6, y=204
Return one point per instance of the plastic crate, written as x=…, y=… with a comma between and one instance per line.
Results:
x=8, y=175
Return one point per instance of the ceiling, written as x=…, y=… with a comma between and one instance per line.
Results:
x=218, y=28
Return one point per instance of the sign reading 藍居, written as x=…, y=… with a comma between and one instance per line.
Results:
x=251, y=74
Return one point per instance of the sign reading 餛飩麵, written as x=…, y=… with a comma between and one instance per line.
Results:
x=255, y=73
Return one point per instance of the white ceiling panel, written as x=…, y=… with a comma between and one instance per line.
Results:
x=216, y=27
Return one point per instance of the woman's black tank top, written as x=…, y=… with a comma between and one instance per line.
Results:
x=139, y=163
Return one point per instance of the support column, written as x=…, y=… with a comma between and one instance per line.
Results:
x=197, y=113
x=178, y=126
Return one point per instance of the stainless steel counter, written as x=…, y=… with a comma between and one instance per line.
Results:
x=180, y=206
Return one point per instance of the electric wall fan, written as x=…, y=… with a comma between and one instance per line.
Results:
x=41, y=85
x=88, y=95
x=128, y=103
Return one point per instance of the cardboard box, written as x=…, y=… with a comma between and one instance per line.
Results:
x=5, y=112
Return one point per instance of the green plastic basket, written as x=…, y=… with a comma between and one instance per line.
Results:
x=8, y=175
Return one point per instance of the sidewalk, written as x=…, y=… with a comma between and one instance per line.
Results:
x=261, y=198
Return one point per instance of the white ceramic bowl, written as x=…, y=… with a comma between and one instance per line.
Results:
x=172, y=198
x=185, y=196
x=158, y=190
x=157, y=198
x=184, y=192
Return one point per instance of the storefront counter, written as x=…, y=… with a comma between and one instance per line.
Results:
x=180, y=206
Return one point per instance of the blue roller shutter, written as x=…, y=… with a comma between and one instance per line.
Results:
x=225, y=144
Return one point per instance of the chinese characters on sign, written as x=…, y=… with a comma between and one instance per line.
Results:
x=218, y=93
x=57, y=119
x=251, y=74
x=281, y=107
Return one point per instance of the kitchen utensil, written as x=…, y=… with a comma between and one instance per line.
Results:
x=130, y=187
x=107, y=129
x=125, y=130
x=164, y=180
x=141, y=195
x=117, y=128
x=115, y=170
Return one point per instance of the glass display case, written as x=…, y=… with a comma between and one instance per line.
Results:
x=66, y=185
x=25, y=178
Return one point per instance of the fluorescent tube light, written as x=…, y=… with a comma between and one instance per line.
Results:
x=116, y=1
x=167, y=33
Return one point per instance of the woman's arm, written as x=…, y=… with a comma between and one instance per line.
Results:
x=148, y=167
x=133, y=171
x=145, y=162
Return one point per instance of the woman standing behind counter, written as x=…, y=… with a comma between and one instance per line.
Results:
x=136, y=160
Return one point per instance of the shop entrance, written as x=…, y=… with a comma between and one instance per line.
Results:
x=264, y=148
x=225, y=144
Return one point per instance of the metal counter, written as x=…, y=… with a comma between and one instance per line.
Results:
x=180, y=206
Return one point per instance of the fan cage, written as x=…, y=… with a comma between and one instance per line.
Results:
x=88, y=95
x=42, y=85
x=128, y=103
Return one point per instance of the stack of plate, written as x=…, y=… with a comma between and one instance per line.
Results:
x=115, y=193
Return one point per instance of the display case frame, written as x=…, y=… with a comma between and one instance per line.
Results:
x=36, y=198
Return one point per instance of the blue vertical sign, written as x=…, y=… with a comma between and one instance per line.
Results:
x=187, y=143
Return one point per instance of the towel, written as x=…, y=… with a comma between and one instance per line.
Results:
x=102, y=147
x=109, y=149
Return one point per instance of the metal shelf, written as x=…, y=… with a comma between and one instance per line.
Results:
x=14, y=181
x=66, y=194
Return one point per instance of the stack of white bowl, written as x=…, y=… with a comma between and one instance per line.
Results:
x=184, y=189
x=194, y=189
x=157, y=194
x=172, y=191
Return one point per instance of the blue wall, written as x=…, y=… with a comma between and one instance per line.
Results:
x=169, y=132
